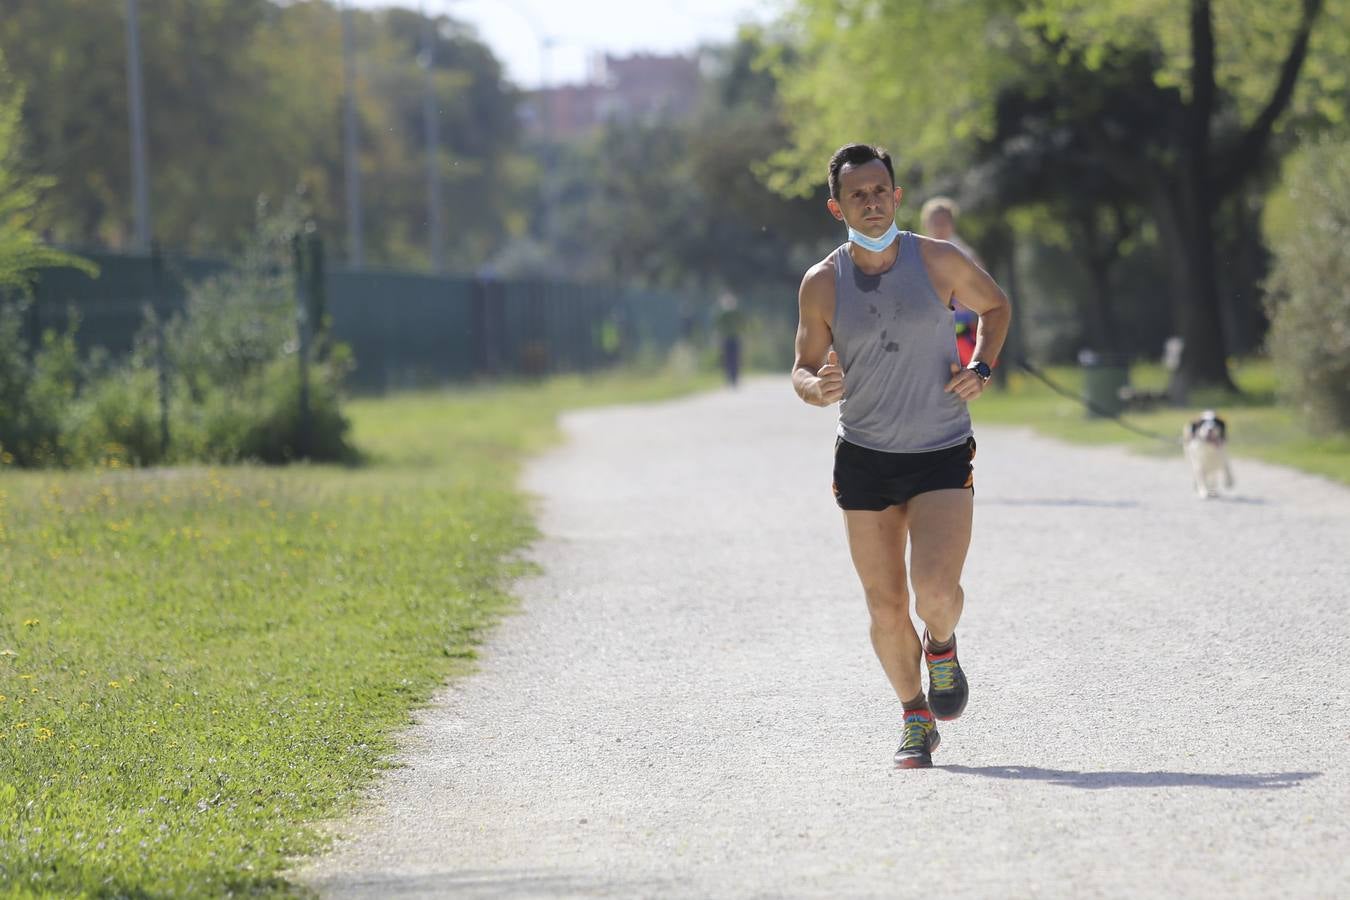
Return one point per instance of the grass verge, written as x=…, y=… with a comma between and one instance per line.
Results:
x=196, y=663
x=1259, y=426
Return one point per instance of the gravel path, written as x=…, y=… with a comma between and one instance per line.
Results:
x=688, y=705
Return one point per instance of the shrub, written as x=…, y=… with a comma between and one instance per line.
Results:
x=260, y=420
x=234, y=379
x=116, y=421
x=236, y=354
x=1309, y=286
x=36, y=387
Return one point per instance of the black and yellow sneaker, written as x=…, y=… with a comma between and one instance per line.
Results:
x=947, y=688
x=921, y=739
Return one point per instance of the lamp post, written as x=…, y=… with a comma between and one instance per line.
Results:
x=140, y=187
x=356, y=252
x=435, y=209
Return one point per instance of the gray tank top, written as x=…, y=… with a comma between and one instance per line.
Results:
x=896, y=342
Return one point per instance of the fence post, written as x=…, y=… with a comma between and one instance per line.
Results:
x=319, y=321
x=33, y=322
x=161, y=352
x=302, y=289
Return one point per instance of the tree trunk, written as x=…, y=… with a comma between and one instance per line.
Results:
x=1187, y=238
x=1103, y=329
x=1098, y=252
x=1203, y=363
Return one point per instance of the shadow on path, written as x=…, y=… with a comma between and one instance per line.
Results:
x=1099, y=780
x=1059, y=501
x=483, y=884
x=1238, y=498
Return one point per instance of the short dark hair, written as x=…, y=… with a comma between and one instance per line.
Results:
x=856, y=155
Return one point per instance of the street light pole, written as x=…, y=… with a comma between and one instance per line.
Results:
x=435, y=209
x=356, y=253
x=140, y=187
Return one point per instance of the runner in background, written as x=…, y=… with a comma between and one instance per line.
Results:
x=938, y=220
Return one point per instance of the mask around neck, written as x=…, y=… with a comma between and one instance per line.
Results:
x=877, y=244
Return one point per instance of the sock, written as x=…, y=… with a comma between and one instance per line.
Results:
x=933, y=646
x=918, y=702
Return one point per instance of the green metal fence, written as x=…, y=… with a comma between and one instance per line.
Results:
x=404, y=329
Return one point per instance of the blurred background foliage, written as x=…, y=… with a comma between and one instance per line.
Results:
x=1115, y=160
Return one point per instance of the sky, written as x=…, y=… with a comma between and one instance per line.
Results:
x=556, y=40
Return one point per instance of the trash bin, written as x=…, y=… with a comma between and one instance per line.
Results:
x=1104, y=374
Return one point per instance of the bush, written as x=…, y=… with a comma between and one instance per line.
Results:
x=1309, y=287
x=116, y=422
x=36, y=387
x=260, y=419
x=235, y=353
x=234, y=380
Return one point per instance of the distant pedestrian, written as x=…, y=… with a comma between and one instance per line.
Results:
x=729, y=326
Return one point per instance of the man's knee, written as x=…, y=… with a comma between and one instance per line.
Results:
x=888, y=607
x=934, y=597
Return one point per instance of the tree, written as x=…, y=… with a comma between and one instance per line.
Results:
x=22, y=251
x=1225, y=72
x=1309, y=227
x=243, y=98
x=680, y=204
x=1038, y=161
x=1209, y=152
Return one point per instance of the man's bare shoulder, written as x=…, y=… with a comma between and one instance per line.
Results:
x=936, y=250
x=943, y=257
x=818, y=282
x=816, y=297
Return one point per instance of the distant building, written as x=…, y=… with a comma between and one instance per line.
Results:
x=646, y=88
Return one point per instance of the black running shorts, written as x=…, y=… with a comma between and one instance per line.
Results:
x=874, y=479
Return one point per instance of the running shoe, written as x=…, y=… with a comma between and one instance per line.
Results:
x=947, y=688
x=921, y=739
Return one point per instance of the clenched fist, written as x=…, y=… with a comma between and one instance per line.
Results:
x=829, y=384
x=965, y=383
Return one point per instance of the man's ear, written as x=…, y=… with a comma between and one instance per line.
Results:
x=833, y=206
x=899, y=192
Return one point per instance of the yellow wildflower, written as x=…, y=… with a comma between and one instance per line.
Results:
x=114, y=684
x=43, y=734
x=29, y=623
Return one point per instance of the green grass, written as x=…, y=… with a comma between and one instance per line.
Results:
x=198, y=664
x=1260, y=426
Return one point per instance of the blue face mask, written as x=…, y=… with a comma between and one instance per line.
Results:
x=877, y=244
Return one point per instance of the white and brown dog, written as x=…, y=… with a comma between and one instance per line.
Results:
x=1206, y=441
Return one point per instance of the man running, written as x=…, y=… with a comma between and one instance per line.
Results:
x=876, y=335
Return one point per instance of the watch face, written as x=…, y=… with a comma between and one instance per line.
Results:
x=981, y=369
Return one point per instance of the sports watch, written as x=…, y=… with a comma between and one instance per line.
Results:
x=981, y=369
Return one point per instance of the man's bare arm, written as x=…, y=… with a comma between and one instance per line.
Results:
x=953, y=274
x=980, y=294
x=816, y=384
